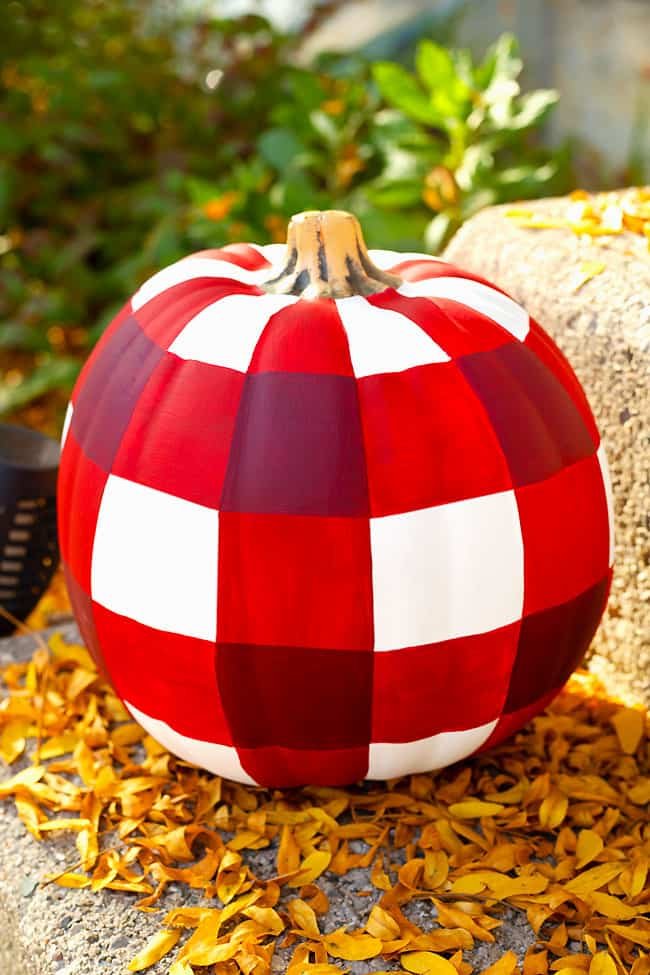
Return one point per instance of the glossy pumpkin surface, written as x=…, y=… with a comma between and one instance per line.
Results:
x=316, y=539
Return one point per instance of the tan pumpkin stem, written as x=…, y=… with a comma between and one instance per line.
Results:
x=327, y=258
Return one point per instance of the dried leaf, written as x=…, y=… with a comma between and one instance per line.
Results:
x=382, y=925
x=589, y=845
x=505, y=965
x=602, y=963
x=629, y=724
x=426, y=963
x=475, y=809
x=352, y=947
x=156, y=948
x=311, y=867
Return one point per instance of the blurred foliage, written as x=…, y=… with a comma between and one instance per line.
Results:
x=128, y=139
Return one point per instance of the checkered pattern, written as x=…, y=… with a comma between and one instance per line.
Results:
x=317, y=541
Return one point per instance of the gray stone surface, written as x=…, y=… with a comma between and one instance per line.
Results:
x=51, y=930
x=603, y=328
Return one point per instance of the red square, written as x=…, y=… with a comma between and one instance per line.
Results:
x=295, y=580
x=165, y=675
x=80, y=488
x=449, y=686
x=304, y=337
x=566, y=535
x=428, y=440
x=178, y=439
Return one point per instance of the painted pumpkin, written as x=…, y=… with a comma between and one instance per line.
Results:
x=329, y=514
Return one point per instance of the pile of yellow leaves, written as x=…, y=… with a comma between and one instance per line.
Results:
x=597, y=214
x=553, y=824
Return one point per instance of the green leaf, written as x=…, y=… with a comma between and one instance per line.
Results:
x=438, y=71
x=401, y=90
x=434, y=65
x=395, y=194
x=279, y=148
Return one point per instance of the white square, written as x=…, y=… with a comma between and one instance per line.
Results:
x=66, y=424
x=219, y=759
x=190, y=268
x=449, y=571
x=488, y=301
x=155, y=559
x=382, y=340
x=388, y=760
x=226, y=332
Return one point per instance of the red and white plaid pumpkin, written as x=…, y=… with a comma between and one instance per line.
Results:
x=329, y=514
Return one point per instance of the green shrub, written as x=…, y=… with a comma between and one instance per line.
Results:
x=117, y=157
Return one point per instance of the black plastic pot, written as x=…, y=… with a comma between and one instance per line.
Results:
x=29, y=551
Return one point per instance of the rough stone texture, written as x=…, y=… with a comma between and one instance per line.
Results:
x=50, y=930
x=604, y=329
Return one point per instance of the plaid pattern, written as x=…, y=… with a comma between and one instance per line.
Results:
x=322, y=541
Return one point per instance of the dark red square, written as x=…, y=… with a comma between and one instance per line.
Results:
x=295, y=697
x=428, y=440
x=278, y=767
x=80, y=489
x=548, y=353
x=552, y=644
x=297, y=447
x=295, y=580
x=111, y=391
x=165, y=675
x=449, y=686
x=179, y=436
x=106, y=337
x=540, y=428
x=564, y=525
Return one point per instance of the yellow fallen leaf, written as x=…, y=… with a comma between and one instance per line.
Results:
x=382, y=925
x=593, y=879
x=475, y=809
x=587, y=270
x=631, y=933
x=535, y=962
x=156, y=948
x=75, y=880
x=629, y=724
x=266, y=917
x=602, y=963
x=553, y=809
x=469, y=884
x=611, y=907
x=633, y=879
x=311, y=867
x=426, y=963
x=303, y=918
x=589, y=845
x=352, y=947
x=505, y=965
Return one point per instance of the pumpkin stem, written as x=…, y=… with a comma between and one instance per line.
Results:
x=327, y=258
